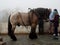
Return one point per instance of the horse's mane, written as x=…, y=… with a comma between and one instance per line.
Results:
x=41, y=11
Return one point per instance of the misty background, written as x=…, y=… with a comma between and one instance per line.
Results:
x=9, y=6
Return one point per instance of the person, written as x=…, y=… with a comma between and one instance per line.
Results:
x=56, y=24
x=51, y=18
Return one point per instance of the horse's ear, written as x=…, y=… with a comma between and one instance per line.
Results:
x=29, y=9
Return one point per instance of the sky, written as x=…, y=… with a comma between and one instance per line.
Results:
x=23, y=5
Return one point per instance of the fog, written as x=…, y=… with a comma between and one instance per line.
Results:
x=8, y=6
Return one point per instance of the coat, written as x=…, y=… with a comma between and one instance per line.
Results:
x=56, y=21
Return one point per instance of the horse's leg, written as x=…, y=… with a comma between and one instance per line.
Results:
x=41, y=27
x=33, y=34
x=11, y=29
x=13, y=37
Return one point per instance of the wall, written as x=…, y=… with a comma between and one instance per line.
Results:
x=21, y=29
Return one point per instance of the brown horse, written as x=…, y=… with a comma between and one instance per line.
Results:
x=26, y=19
x=43, y=13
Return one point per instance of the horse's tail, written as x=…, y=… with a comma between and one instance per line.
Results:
x=10, y=32
x=9, y=25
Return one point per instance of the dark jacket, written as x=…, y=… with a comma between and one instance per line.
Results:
x=56, y=21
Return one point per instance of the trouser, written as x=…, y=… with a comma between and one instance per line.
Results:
x=51, y=27
x=56, y=31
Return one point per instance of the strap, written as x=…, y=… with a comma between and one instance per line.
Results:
x=22, y=20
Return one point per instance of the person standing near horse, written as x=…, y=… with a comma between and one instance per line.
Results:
x=51, y=19
x=56, y=24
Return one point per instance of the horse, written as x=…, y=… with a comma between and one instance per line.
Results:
x=42, y=12
x=25, y=19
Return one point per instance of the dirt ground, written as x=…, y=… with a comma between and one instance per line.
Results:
x=24, y=40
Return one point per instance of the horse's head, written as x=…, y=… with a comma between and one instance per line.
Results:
x=42, y=13
x=47, y=13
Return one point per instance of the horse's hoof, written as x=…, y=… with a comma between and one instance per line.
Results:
x=39, y=33
x=32, y=36
x=14, y=39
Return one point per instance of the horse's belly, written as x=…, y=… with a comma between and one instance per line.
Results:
x=25, y=22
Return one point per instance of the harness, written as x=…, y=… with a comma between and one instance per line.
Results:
x=29, y=17
x=22, y=21
x=29, y=20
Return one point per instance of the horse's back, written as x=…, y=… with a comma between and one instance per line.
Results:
x=19, y=18
x=25, y=18
x=15, y=17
